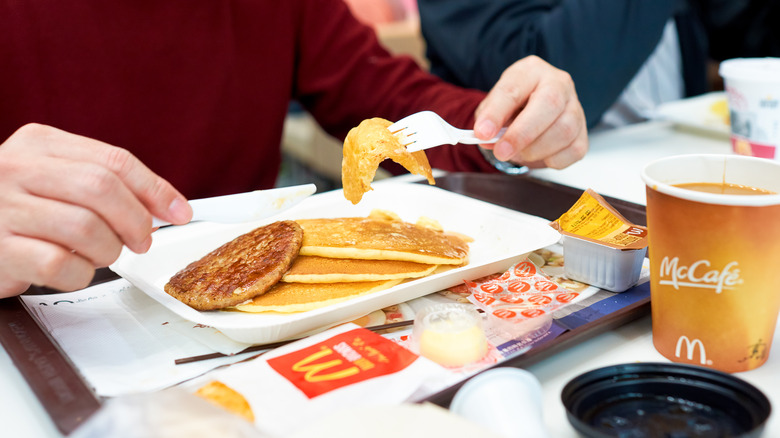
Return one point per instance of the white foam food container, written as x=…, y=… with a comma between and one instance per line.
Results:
x=501, y=236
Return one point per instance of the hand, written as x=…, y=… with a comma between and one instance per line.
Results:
x=68, y=204
x=548, y=126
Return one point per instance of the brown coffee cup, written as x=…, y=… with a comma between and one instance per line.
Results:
x=714, y=260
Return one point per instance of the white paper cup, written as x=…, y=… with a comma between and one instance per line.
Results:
x=507, y=401
x=753, y=91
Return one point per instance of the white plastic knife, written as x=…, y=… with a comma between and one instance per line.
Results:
x=245, y=207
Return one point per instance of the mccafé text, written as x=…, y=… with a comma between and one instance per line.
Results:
x=699, y=275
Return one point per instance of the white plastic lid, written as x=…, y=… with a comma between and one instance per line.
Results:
x=507, y=401
x=751, y=69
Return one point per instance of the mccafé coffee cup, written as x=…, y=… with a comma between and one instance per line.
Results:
x=714, y=260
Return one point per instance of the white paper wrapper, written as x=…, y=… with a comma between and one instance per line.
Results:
x=406, y=420
x=172, y=413
x=281, y=407
x=124, y=342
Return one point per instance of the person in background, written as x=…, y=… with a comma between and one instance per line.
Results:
x=378, y=12
x=114, y=111
x=625, y=57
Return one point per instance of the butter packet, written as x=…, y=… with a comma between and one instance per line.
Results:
x=520, y=302
x=592, y=218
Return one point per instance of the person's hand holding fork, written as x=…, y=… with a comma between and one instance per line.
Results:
x=545, y=122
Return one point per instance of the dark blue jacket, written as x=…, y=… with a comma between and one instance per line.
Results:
x=601, y=43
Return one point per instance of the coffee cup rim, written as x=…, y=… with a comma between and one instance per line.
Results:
x=650, y=176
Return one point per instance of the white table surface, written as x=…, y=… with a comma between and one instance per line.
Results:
x=612, y=165
x=611, y=168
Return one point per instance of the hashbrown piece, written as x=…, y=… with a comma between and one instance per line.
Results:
x=227, y=398
x=367, y=145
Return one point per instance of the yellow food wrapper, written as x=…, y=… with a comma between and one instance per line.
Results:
x=593, y=218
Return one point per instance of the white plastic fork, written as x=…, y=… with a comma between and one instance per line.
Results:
x=427, y=129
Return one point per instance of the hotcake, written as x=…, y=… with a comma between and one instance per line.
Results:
x=312, y=269
x=367, y=145
x=239, y=270
x=367, y=238
x=300, y=297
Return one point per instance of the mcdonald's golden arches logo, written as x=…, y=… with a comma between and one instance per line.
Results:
x=342, y=360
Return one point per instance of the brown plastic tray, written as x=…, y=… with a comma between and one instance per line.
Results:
x=547, y=200
x=69, y=400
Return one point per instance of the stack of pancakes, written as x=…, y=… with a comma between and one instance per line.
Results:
x=338, y=259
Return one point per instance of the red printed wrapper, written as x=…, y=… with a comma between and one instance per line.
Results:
x=520, y=294
x=310, y=379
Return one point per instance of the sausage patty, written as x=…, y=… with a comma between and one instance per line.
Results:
x=239, y=270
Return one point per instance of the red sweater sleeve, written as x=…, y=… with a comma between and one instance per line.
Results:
x=344, y=76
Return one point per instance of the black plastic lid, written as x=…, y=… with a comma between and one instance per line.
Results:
x=664, y=400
